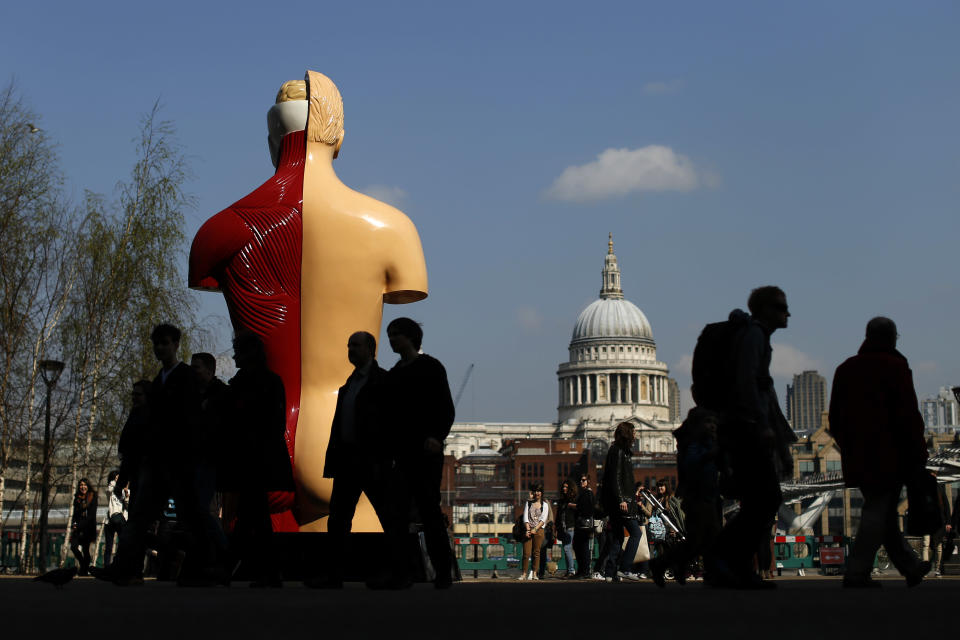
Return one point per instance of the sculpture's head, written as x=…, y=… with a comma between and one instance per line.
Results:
x=325, y=123
x=313, y=104
x=287, y=115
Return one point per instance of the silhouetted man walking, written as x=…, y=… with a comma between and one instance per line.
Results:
x=422, y=413
x=755, y=439
x=167, y=467
x=356, y=459
x=875, y=420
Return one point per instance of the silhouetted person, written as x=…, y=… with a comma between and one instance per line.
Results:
x=699, y=491
x=119, y=504
x=132, y=446
x=949, y=540
x=620, y=504
x=420, y=410
x=355, y=457
x=259, y=421
x=83, y=529
x=876, y=423
x=167, y=464
x=566, y=522
x=584, y=529
x=212, y=429
x=755, y=440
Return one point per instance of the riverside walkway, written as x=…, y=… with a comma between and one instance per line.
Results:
x=801, y=607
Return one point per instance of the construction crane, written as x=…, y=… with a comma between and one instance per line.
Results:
x=463, y=385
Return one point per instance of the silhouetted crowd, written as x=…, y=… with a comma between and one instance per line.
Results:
x=735, y=446
x=200, y=459
x=209, y=453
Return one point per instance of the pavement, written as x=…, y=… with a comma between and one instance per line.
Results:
x=800, y=607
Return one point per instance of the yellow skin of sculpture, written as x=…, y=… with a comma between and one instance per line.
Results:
x=358, y=253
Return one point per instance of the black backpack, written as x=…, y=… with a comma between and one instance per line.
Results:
x=714, y=362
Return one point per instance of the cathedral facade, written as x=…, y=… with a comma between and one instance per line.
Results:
x=612, y=375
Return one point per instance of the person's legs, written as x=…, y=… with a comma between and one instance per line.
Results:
x=633, y=544
x=527, y=550
x=878, y=525
x=948, y=547
x=426, y=495
x=535, y=553
x=581, y=547
x=614, y=540
x=343, y=506
x=760, y=497
x=147, y=505
x=568, y=536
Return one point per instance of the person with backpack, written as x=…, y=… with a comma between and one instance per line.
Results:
x=535, y=514
x=731, y=376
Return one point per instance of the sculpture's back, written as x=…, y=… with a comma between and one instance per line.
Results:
x=305, y=261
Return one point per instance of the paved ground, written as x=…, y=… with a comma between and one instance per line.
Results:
x=810, y=607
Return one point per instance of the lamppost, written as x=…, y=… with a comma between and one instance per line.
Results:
x=50, y=370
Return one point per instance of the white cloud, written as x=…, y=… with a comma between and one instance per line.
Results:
x=385, y=193
x=617, y=172
x=661, y=88
x=684, y=365
x=789, y=360
x=529, y=318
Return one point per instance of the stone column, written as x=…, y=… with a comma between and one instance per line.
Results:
x=629, y=389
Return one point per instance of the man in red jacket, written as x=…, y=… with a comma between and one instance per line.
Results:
x=875, y=420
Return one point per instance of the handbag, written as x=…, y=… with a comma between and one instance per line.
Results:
x=643, y=549
x=923, y=504
x=585, y=522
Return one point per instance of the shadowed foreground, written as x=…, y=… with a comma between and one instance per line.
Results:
x=801, y=607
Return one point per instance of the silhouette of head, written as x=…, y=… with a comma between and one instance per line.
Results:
x=623, y=435
x=883, y=332
x=361, y=348
x=140, y=393
x=769, y=306
x=205, y=366
x=410, y=329
x=166, y=342
x=248, y=350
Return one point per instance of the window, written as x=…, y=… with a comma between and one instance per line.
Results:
x=833, y=465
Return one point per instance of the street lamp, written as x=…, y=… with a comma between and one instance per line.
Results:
x=50, y=370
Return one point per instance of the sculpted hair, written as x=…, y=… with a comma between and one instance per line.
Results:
x=292, y=90
x=762, y=297
x=325, y=122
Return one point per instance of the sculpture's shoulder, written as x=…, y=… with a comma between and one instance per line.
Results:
x=378, y=211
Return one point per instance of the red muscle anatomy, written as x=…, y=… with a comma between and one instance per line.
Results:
x=251, y=251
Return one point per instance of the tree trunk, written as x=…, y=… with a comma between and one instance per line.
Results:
x=26, y=507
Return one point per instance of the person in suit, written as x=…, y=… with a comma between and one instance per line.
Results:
x=167, y=464
x=259, y=423
x=356, y=459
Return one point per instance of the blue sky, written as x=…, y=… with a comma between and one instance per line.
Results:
x=726, y=145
